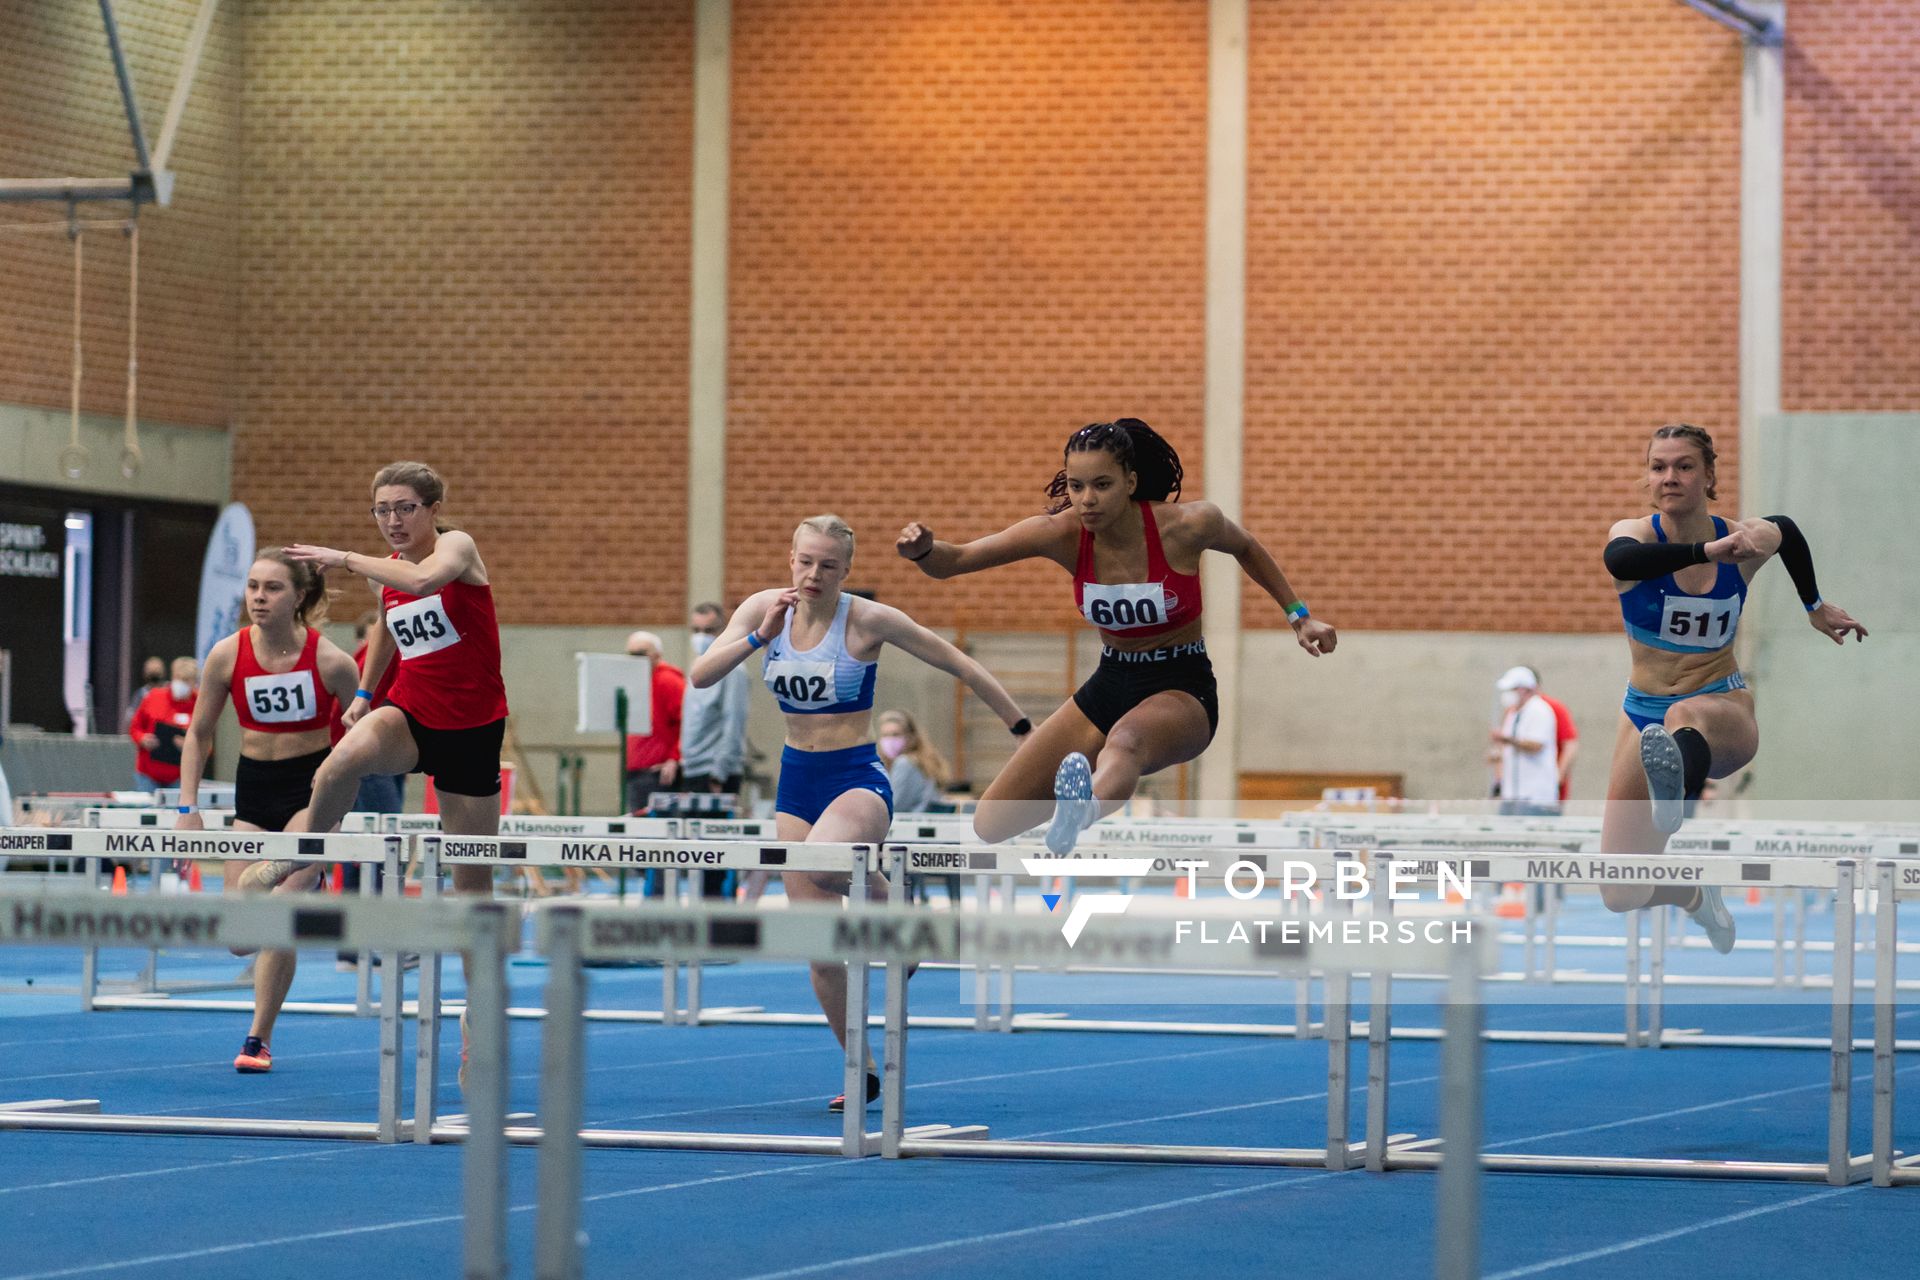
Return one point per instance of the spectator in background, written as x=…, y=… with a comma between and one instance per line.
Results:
x=1529, y=774
x=1566, y=738
x=158, y=725
x=153, y=674
x=713, y=729
x=918, y=773
x=653, y=758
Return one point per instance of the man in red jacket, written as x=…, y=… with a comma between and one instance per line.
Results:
x=653, y=758
x=159, y=723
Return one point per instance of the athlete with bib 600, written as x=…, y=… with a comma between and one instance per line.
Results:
x=1134, y=552
x=1682, y=577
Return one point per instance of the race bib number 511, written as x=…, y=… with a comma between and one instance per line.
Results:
x=1691, y=622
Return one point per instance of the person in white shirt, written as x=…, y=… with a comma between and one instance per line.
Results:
x=1529, y=771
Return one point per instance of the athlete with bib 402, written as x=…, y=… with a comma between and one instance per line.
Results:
x=822, y=651
x=446, y=714
x=1682, y=577
x=1134, y=552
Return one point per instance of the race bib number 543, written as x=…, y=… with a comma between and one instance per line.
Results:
x=422, y=627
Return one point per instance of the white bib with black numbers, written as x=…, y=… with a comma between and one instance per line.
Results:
x=1119, y=606
x=281, y=699
x=422, y=627
x=1699, y=622
x=808, y=686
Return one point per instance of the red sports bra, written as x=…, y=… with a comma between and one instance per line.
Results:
x=280, y=702
x=1165, y=602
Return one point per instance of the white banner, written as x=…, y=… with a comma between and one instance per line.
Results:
x=223, y=578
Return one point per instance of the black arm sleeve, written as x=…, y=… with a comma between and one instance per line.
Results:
x=1631, y=561
x=1798, y=557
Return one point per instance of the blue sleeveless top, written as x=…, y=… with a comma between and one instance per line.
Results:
x=1662, y=616
x=823, y=680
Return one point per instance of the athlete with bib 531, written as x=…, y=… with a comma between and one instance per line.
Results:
x=1134, y=552
x=1682, y=576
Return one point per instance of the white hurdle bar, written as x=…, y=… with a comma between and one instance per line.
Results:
x=1841, y=1167
x=480, y=930
x=898, y=936
x=1895, y=883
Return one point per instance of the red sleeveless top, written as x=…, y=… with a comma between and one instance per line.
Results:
x=449, y=656
x=1165, y=602
x=280, y=702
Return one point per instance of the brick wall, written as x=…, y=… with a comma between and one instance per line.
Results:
x=959, y=232
x=466, y=233
x=1491, y=247
x=61, y=116
x=1851, y=305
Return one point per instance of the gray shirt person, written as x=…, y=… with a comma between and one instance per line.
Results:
x=713, y=726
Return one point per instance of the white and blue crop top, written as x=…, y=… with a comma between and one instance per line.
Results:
x=823, y=680
x=1662, y=616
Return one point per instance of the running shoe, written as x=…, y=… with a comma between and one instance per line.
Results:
x=1712, y=916
x=1666, y=778
x=839, y=1104
x=1073, y=806
x=255, y=1058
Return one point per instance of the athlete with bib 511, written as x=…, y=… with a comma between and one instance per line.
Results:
x=1682, y=576
x=822, y=651
x=1134, y=552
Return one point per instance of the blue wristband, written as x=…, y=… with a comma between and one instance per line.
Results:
x=362, y=693
x=186, y=808
x=754, y=641
x=1297, y=612
x=1817, y=602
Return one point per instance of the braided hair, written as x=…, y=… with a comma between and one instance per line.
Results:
x=1698, y=438
x=1137, y=447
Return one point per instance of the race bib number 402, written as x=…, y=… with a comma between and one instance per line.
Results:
x=807, y=685
x=281, y=699
x=422, y=627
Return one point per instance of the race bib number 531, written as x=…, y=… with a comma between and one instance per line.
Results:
x=422, y=627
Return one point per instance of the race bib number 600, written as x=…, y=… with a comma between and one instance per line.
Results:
x=1121, y=605
x=422, y=627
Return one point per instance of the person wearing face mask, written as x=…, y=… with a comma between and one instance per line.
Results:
x=158, y=725
x=917, y=771
x=1529, y=770
x=713, y=729
x=153, y=674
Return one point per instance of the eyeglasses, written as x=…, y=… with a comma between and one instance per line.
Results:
x=404, y=510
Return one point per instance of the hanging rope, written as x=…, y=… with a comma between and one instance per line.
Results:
x=73, y=458
x=130, y=437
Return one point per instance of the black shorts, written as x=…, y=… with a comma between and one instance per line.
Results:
x=1124, y=680
x=267, y=793
x=461, y=762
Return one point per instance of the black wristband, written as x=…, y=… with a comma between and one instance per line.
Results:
x=1021, y=728
x=922, y=556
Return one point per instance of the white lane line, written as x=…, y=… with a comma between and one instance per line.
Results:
x=213, y=1165
x=1660, y=1237
x=162, y=1066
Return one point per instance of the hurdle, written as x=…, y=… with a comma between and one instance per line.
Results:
x=1894, y=883
x=897, y=936
x=1841, y=1167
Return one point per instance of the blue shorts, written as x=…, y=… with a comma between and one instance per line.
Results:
x=812, y=780
x=1647, y=708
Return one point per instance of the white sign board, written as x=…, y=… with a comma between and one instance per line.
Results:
x=602, y=675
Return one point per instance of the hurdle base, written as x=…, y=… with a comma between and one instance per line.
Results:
x=55, y=1106
x=192, y=1126
x=1860, y=1167
x=1128, y=1153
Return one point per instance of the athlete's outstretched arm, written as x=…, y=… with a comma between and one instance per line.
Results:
x=1036, y=537
x=1829, y=620
x=895, y=628
x=454, y=556
x=1221, y=534
x=759, y=618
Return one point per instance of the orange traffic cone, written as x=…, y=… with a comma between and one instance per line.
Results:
x=1513, y=902
x=339, y=884
x=193, y=877
x=1753, y=895
x=119, y=882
